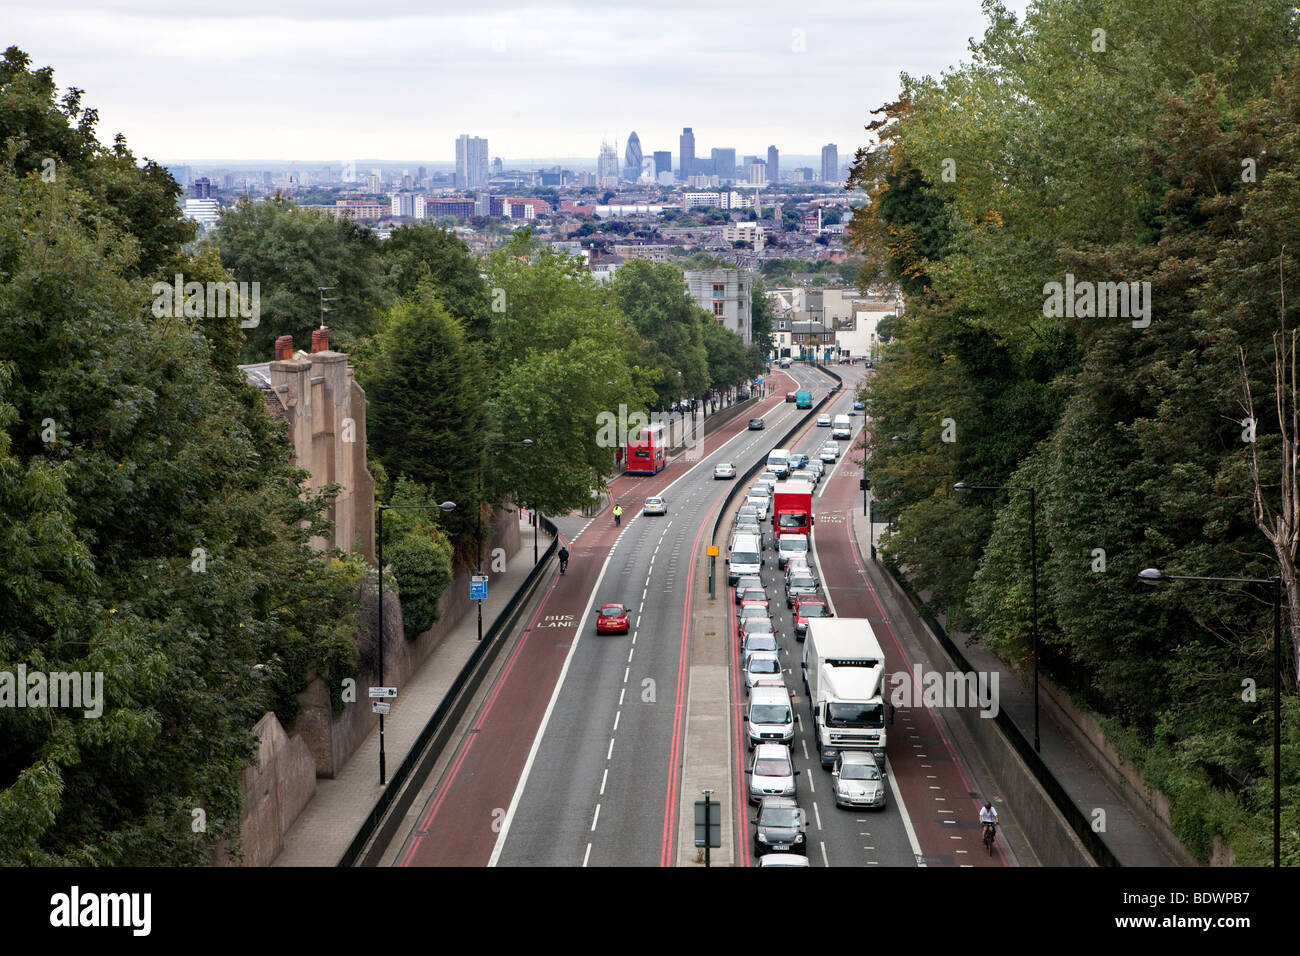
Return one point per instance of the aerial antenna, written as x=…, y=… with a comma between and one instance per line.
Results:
x=322, y=289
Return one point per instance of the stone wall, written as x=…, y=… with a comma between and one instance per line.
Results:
x=275, y=789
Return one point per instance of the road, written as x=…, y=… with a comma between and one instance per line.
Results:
x=574, y=755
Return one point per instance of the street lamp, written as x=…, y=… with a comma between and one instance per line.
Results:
x=478, y=526
x=1033, y=571
x=1154, y=576
x=445, y=506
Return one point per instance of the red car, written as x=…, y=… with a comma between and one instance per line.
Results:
x=789, y=396
x=612, y=619
x=755, y=596
x=806, y=606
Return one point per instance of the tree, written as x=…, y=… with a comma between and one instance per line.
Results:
x=414, y=253
x=426, y=414
x=653, y=297
x=291, y=253
x=419, y=553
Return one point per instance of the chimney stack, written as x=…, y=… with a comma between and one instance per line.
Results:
x=284, y=348
x=320, y=339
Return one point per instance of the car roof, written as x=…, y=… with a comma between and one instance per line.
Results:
x=621, y=606
x=769, y=694
x=778, y=802
x=771, y=750
x=802, y=599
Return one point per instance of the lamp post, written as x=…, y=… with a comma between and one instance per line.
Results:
x=1033, y=571
x=1155, y=576
x=445, y=506
x=478, y=525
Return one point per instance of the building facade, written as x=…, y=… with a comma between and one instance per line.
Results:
x=471, y=161
x=686, y=153
x=727, y=295
x=830, y=163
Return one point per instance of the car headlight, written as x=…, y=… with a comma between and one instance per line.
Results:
x=798, y=838
x=762, y=838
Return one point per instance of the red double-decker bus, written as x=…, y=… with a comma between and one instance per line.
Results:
x=646, y=452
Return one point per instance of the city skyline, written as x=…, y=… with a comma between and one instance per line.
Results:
x=524, y=79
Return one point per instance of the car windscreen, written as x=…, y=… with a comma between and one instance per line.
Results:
x=759, y=625
x=611, y=612
x=814, y=610
x=790, y=519
x=786, y=817
x=753, y=594
x=794, y=542
x=802, y=581
x=764, y=666
x=855, y=715
x=744, y=557
x=770, y=714
x=759, y=641
x=772, y=767
x=859, y=771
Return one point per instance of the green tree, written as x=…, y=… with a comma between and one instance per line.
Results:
x=654, y=299
x=420, y=251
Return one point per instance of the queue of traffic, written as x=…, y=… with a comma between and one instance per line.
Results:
x=842, y=664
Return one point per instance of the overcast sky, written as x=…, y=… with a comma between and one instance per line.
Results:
x=400, y=79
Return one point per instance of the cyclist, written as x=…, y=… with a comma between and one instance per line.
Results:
x=564, y=558
x=618, y=514
x=988, y=820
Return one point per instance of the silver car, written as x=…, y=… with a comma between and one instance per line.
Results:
x=756, y=641
x=760, y=503
x=789, y=545
x=655, y=506
x=762, y=666
x=724, y=469
x=816, y=467
x=858, y=781
x=780, y=828
x=798, y=581
x=823, y=421
x=772, y=773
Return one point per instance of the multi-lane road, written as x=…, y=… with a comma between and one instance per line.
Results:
x=575, y=752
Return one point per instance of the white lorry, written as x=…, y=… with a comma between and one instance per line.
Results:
x=843, y=673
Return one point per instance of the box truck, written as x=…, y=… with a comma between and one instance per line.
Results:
x=843, y=673
x=792, y=508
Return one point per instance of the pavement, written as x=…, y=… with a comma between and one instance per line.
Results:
x=1127, y=837
x=327, y=825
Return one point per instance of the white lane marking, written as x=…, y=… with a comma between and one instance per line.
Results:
x=811, y=788
x=541, y=729
x=620, y=696
x=805, y=748
x=902, y=811
x=603, y=779
x=596, y=817
x=617, y=715
x=586, y=856
x=817, y=813
x=609, y=753
x=825, y=862
x=626, y=671
x=632, y=650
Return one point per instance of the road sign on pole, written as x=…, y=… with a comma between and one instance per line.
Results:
x=386, y=692
x=478, y=587
x=708, y=824
x=380, y=706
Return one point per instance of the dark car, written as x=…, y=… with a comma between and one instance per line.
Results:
x=789, y=396
x=755, y=424
x=780, y=826
x=798, y=583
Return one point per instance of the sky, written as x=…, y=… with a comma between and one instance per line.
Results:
x=328, y=80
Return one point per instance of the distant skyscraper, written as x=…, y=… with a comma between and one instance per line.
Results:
x=773, y=165
x=758, y=171
x=471, y=161
x=686, y=153
x=607, y=164
x=663, y=161
x=830, y=163
x=201, y=188
x=724, y=164
x=632, y=158
x=498, y=167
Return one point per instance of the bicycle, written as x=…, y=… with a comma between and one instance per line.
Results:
x=989, y=829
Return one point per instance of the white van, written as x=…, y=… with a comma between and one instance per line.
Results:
x=778, y=462
x=842, y=427
x=770, y=719
x=745, y=556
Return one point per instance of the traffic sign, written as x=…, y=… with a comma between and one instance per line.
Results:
x=380, y=706
x=708, y=823
x=478, y=587
x=383, y=692
x=713, y=551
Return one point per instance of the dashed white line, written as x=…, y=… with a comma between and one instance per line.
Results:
x=610, y=752
x=586, y=856
x=604, y=777
x=596, y=817
x=620, y=695
x=818, y=814
x=825, y=862
x=617, y=715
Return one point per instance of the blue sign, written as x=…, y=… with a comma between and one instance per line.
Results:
x=759, y=380
x=478, y=587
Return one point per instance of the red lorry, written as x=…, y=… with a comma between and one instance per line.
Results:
x=792, y=508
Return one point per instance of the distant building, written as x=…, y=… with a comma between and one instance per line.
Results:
x=744, y=232
x=655, y=252
x=830, y=163
x=359, y=209
x=686, y=153
x=462, y=208
x=201, y=188
x=804, y=174
x=621, y=210
x=607, y=166
x=206, y=212
x=727, y=295
x=724, y=164
x=402, y=204
x=632, y=158
x=663, y=162
x=757, y=172
x=471, y=161
x=727, y=199
x=181, y=174
x=703, y=180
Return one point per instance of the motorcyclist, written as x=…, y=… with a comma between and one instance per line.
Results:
x=564, y=558
x=618, y=514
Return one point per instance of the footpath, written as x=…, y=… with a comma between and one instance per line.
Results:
x=328, y=823
x=1132, y=842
